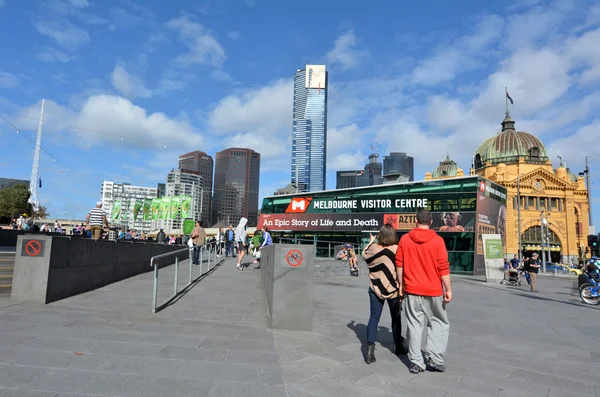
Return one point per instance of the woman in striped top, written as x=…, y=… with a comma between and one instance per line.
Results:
x=380, y=255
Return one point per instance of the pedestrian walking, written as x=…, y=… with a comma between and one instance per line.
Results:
x=423, y=274
x=267, y=240
x=532, y=266
x=380, y=256
x=229, y=239
x=94, y=220
x=240, y=237
x=198, y=238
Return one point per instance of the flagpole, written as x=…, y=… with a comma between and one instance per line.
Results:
x=506, y=98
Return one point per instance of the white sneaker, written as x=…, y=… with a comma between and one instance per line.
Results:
x=239, y=266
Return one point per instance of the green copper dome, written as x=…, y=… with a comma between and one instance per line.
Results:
x=508, y=146
x=446, y=168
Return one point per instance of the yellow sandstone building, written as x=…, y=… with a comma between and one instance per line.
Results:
x=519, y=161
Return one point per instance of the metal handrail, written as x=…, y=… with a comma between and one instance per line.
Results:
x=154, y=262
x=330, y=244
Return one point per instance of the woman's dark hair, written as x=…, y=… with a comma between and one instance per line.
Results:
x=387, y=236
x=266, y=229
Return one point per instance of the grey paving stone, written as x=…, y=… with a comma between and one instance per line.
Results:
x=58, y=344
x=15, y=376
x=187, y=353
x=25, y=393
x=270, y=374
x=59, y=359
x=125, y=349
x=7, y=340
x=142, y=366
x=316, y=363
x=228, y=389
x=83, y=382
x=216, y=371
x=239, y=343
x=149, y=386
x=251, y=357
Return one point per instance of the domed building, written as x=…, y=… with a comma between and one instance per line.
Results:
x=447, y=169
x=536, y=192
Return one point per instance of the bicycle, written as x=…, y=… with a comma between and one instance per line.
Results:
x=590, y=292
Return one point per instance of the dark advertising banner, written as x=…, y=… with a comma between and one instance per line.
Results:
x=442, y=222
x=491, y=219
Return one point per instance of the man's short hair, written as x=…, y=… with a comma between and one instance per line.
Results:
x=424, y=217
x=534, y=254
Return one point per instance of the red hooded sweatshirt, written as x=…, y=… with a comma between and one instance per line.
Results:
x=422, y=255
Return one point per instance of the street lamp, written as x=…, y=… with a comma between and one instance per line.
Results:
x=545, y=237
x=519, y=216
x=586, y=172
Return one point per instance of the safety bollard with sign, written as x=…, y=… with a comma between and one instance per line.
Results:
x=287, y=273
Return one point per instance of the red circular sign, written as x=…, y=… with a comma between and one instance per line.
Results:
x=33, y=248
x=294, y=258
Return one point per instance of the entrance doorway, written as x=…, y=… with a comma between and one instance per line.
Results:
x=531, y=241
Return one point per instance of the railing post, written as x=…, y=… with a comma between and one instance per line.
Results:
x=191, y=258
x=208, y=267
x=201, y=260
x=329, y=252
x=155, y=289
x=176, y=281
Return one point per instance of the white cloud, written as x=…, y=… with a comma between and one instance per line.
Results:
x=462, y=55
x=129, y=85
x=259, y=119
x=203, y=46
x=64, y=33
x=52, y=55
x=220, y=75
x=8, y=80
x=344, y=51
x=108, y=119
x=235, y=35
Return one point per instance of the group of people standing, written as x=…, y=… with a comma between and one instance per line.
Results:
x=411, y=274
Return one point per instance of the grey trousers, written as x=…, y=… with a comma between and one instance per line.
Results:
x=419, y=311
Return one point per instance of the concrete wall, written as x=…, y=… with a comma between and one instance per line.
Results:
x=287, y=273
x=68, y=267
x=324, y=268
x=8, y=237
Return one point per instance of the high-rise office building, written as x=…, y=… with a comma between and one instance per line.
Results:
x=188, y=183
x=237, y=176
x=309, y=128
x=399, y=163
x=126, y=195
x=369, y=176
x=202, y=164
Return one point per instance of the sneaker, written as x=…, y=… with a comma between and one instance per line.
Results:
x=433, y=367
x=239, y=266
x=414, y=369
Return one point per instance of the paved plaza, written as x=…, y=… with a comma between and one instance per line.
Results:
x=215, y=341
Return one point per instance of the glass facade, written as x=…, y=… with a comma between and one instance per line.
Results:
x=463, y=209
x=309, y=133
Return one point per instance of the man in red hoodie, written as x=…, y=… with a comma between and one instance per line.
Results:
x=423, y=274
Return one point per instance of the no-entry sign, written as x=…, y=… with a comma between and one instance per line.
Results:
x=294, y=258
x=33, y=248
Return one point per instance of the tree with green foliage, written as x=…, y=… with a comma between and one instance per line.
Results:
x=15, y=201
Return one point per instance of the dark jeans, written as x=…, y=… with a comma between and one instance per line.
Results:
x=376, y=309
x=197, y=249
x=228, y=250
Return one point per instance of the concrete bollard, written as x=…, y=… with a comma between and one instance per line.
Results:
x=287, y=274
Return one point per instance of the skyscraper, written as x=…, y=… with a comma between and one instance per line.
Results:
x=399, y=163
x=309, y=128
x=202, y=164
x=237, y=176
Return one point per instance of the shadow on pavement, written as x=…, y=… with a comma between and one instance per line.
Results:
x=543, y=298
x=384, y=337
x=184, y=291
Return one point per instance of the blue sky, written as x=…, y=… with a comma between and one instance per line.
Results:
x=130, y=85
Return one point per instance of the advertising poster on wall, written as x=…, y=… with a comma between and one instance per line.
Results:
x=493, y=255
x=491, y=219
x=442, y=222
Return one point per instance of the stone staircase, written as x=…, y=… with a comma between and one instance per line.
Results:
x=7, y=265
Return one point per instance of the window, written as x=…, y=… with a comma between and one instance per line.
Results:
x=534, y=152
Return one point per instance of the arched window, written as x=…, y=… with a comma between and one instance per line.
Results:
x=534, y=152
x=478, y=161
x=533, y=235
